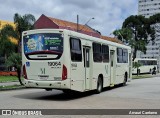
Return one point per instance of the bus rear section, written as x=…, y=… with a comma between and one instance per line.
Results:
x=42, y=60
x=146, y=65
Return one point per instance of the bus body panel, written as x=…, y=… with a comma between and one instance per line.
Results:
x=147, y=65
x=81, y=76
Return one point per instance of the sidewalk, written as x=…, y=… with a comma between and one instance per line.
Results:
x=9, y=83
x=157, y=75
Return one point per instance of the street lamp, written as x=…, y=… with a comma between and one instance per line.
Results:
x=121, y=36
x=86, y=23
x=89, y=21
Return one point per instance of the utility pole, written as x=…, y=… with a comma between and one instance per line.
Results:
x=77, y=23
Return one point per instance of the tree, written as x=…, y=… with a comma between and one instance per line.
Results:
x=124, y=34
x=6, y=46
x=22, y=23
x=138, y=32
x=14, y=60
x=155, y=18
x=137, y=65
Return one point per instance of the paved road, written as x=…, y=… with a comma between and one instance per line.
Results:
x=138, y=94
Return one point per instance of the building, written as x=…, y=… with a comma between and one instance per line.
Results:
x=3, y=23
x=49, y=22
x=13, y=40
x=148, y=8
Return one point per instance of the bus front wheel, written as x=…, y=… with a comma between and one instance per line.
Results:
x=99, y=85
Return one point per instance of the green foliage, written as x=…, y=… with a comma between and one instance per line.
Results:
x=23, y=23
x=136, y=65
x=6, y=46
x=14, y=60
x=8, y=78
x=136, y=31
x=141, y=76
x=155, y=19
x=124, y=34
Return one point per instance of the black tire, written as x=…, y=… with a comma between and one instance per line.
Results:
x=48, y=89
x=99, y=85
x=125, y=79
x=139, y=71
x=150, y=71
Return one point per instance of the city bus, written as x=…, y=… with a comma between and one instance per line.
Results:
x=146, y=65
x=71, y=61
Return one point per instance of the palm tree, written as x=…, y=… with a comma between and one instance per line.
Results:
x=22, y=23
x=15, y=60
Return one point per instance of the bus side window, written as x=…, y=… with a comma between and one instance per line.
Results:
x=76, y=52
x=105, y=53
x=97, y=55
x=119, y=55
x=125, y=56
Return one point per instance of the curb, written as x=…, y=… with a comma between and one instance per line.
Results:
x=16, y=88
x=8, y=81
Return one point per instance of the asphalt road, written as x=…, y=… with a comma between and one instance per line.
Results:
x=138, y=94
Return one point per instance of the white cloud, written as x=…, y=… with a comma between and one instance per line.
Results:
x=109, y=14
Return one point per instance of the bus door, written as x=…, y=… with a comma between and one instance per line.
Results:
x=86, y=55
x=112, y=67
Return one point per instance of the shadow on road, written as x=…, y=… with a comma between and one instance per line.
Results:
x=57, y=95
x=54, y=95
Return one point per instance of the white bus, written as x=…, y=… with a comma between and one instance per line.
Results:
x=67, y=60
x=147, y=65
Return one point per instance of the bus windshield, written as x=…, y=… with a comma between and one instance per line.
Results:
x=43, y=42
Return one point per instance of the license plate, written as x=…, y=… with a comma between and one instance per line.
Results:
x=43, y=77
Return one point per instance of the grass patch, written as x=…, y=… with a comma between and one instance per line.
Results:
x=11, y=87
x=141, y=76
x=8, y=78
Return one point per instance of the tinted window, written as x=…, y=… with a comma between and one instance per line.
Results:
x=105, y=53
x=43, y=42
x=119, y=55
x=97, y=56
x=122, y=55
x=125, y=56
x=76, y=52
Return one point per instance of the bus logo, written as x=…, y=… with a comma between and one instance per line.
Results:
x=42, y=70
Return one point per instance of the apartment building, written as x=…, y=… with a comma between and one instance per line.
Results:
x=148, y=8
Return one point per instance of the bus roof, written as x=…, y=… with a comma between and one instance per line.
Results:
x=83, y=36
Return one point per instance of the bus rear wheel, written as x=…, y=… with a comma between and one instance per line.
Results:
x=99, y=85
x=125, y=79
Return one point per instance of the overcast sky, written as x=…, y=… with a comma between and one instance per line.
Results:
x=109, y=14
